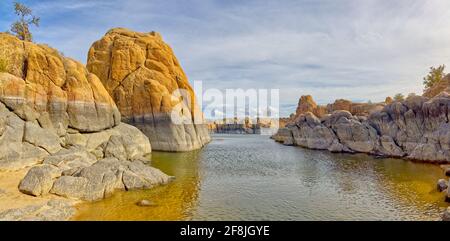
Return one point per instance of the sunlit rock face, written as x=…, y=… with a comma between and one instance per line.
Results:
x=57, y=119
x=417, y=128
x=141, y=73
x=306, y=104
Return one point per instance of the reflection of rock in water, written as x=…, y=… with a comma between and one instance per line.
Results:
x=401, y=182
x=174, y=201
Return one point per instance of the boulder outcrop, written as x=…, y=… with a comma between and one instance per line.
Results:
x=307, y=104
x=417, y=128
x=436, y=89
x=142, y=74
x=57, y=119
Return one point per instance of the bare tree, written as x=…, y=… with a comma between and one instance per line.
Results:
x=21, y=28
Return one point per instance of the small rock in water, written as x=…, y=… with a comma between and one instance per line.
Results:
x=446, y=215
x=447, y=171
x=442, y=185
x=145, y=203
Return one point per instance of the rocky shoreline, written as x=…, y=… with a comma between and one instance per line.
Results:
x=141, y=72
x=62, y=139
x=416, y=129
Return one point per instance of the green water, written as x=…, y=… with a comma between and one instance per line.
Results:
x=250, y=177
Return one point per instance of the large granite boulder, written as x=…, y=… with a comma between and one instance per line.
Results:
x=59, y=121
x=142, y=74
x=55, y=90
x=105, y=176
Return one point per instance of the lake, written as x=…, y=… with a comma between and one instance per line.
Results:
x=251, y=177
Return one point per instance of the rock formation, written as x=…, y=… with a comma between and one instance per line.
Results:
x=307, y=104
x=234, y=126
x=58, y=119
x=417, y=128
x=141, y=73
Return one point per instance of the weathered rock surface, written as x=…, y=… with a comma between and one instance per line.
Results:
x=145, y=203
x=53, y=210
x=417, y=128
x=141, y=73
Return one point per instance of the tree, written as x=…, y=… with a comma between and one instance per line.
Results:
x=21, y=28
x=434, y=76
x=399, y=97
x=410, y=95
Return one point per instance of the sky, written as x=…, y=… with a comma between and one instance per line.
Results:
x=359, y=50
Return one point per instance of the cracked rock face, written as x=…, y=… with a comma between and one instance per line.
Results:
x=141, y=73
x=417, y=128
x=57, y=92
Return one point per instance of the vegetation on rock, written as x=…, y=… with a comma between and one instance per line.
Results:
x=399, y=97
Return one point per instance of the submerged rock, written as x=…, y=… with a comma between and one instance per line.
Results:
x=142, y=74
x=447, y=172
x=39, y=180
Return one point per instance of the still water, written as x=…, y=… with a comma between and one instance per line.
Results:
x=250, y=177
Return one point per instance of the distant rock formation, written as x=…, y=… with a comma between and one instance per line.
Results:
x=57, y=118
x=417, y=128
x=141, y=72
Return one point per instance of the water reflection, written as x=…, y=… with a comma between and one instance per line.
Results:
x=253, y=178
x=175, y=201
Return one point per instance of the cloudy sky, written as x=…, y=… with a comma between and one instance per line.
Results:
x=355, y=49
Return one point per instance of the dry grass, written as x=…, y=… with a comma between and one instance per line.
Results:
x=3, y=64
